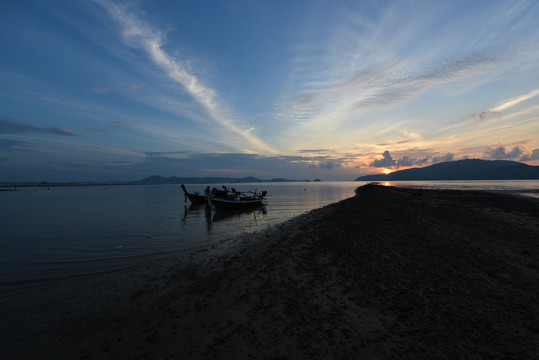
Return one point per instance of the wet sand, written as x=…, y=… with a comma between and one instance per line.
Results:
x=389, y=273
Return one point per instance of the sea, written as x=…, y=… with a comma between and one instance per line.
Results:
x=52, y=234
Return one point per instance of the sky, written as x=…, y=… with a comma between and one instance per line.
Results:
x=121, y=90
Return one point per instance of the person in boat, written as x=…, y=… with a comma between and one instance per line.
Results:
x=218, y=193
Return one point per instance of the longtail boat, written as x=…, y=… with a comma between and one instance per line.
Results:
x=238, y=201
x=227, y=198
x=195, y=198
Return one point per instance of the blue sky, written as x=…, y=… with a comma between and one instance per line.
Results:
x=121, y=90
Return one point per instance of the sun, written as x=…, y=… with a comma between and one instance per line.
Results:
x=386, y=171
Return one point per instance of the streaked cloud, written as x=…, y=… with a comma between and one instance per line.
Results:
x=61, y=131
x=99, y=90
x=14, y=145
x=166, y=153
x=124, y=125
x=200, y=164
x=141, y=34
x=9, y=126
x=133, y=87
x=513, y=102
x=108, y=165
x=307, y=151
x=353, y=88
x=334, y=91
x=97, y=130
x=498, y=110
x=389, y=85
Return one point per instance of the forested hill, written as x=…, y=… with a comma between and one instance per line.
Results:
x=470, y=169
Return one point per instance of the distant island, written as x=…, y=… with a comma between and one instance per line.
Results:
x=470, y=169
x=152, y=180
x=155, y=179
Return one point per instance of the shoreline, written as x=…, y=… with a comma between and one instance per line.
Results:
x=392, y=272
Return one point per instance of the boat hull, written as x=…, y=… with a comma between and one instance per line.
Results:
x=228, y=199
x=231, y=204
x=195, y=199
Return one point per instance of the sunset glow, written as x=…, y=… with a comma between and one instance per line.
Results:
x=118, y=90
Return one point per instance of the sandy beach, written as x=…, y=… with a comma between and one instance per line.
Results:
x=389, y=273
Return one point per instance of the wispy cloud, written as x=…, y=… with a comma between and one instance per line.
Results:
x=14, y=145
x=307, y=151
x=102, y=165
x=342, y=110
x=166, y=153
x=140, y=34
x=97, y=130
x=197, y=164
x=61, y=131
x=9, y=126
x=133, y=87
x=378, y=86
x=123, y=125
x=513, y=102
x=370, y=67
x=497, y=111
x=99, y=90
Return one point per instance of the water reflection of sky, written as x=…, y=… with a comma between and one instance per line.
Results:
x=52, y=233
x=523, y=187
x=66, y=231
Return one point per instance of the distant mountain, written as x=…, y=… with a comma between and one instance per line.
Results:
x=471, y=169
x=156, y=179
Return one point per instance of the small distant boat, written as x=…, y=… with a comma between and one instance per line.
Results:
x=195, y=198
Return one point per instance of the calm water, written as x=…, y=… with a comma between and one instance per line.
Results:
x=517, y=187
x=64, y=232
